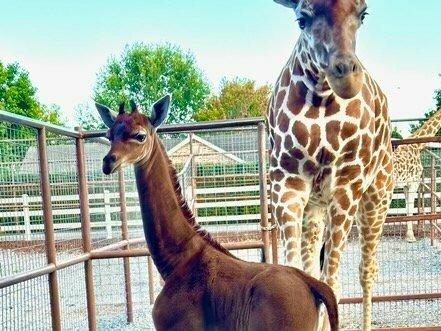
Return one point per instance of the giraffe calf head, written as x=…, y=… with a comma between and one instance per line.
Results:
x=329, y=30
x=131, y=134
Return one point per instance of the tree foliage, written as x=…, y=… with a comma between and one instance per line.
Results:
x=437, y=98
x=18, y=96
x=87, y=117
x=396, y=134
x=238, y=98
x=145, y=73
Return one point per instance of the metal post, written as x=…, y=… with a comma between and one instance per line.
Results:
x=125, y=236
x=274, y=237
x=193, y=174
x=263, y=191
x=107, y=214
x=432, y=197
x=49, y=235
x=151, y=280
x=26, y=217
x=85, y=231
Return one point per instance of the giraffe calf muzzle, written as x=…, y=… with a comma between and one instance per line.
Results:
x=109, y=164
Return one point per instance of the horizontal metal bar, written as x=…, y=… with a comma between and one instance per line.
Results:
x=400, y=120
x=412, y=218
x=47, y=269
x=118, y=254
x=413, y=328
x=397, y=297
x=26, y=275
x=117, y=245
x=23, y=120
x=410, y=141
x=75, y=260
x=190, y=127
x=109, y=254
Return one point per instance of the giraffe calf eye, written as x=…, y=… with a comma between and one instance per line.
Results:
x=139, y=137
x=302, y=23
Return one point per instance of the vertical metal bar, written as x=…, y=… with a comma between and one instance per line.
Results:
x=49, y=234
x=85, y=231
x=151, y=280
x=420, y=210
x=263, y=190
x=274, y=237
x=193, y=174
x=432, y=197
x=125, y=236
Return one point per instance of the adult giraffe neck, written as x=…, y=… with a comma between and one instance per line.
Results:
x=302, y=65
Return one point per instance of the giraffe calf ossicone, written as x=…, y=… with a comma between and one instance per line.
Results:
x=331, y=155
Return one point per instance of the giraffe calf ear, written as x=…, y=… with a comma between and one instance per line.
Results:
x=160, y=111
x=106, y=114
x=288, y=3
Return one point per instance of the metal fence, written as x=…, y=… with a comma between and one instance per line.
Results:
x=72, y=253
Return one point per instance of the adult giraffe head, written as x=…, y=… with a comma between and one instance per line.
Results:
x=131, y=134
x=329, y=29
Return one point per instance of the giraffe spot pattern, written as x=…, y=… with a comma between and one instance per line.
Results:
x=314, y=139
x=348, y=130
x=283, y=122
x=286, y=78
x=280, y=98
x=332, y=133
x=301, y=133
x=296, y=97
x=289, y=164
x=353, y=108
x=295, y=183
x=331, y=106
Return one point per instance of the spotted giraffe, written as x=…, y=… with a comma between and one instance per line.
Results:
x=331, y=155
x=408, y=168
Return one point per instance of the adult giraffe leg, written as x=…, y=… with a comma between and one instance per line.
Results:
x=340, y=215
x=288, y=205
x=373, y=210
x=410, y=193
x=312, y=239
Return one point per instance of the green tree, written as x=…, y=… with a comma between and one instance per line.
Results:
x=396, y=133
x=147, y=72
x=437, y=98
x=17, y=95
x=88, y=117
x=238, y=98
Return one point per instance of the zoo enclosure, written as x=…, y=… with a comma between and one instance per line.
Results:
x=90, y=224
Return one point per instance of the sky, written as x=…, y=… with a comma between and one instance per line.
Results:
x=63, y=44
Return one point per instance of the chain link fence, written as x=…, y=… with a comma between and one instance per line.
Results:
x=96, y=269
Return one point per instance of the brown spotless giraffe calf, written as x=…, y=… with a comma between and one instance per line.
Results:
x=205, y=287
x=331, y=155
x=408, y=168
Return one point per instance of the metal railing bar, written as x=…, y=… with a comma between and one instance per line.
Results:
x=30, y=122
x=415, y=141
x=396, y=297
x=47, y=269
x=26, y=275
x=190, y=127
x=431, y=192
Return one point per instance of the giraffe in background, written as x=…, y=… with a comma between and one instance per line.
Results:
x=331, y=155
x=408, y=168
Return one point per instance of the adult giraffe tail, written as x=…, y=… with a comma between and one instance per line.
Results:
x=322, y=292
